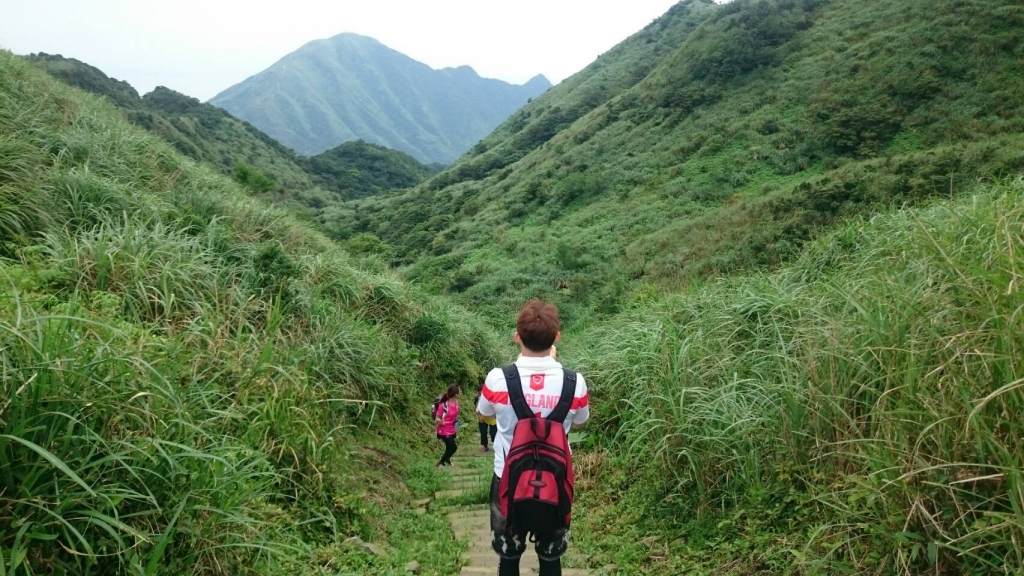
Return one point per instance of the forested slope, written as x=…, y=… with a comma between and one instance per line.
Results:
x=184, y=367
x=362, y=169
x=720, y=138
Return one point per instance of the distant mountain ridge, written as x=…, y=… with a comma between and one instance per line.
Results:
x=203, y=132
x=352, y=87
x=206, y=133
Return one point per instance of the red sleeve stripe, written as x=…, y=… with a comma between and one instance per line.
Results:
x=581, y=402
x=495, y=397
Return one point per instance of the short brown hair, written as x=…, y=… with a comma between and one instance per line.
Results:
x=538, y=325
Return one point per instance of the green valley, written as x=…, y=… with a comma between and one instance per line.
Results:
x=718, y=139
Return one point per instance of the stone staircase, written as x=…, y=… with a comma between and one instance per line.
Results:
x=471, y=473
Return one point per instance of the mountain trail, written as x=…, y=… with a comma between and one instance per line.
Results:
x=471, y=475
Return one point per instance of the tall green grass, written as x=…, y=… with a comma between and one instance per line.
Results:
x=881, y=375
x=183, y=367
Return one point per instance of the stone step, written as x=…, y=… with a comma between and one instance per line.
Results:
x=458, y=472
x=480, y=546
x=443, y=494
x=455, y=471
x=481, y=514
x=457, y=493
x=479, y=535
x=490, y=560
x=483, y=536
x=470, y=485
x=472, y=525
x=474, y=476
x=467, y=510
x=488, y=564
x=489, y=571
x=492, y=570
x=472, y=480
x=470, y=475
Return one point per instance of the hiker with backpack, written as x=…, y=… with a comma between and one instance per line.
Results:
x=536, y=402
x=446, y=418
x=488, y=426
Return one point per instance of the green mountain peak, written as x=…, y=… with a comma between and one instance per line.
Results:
x=351, y=87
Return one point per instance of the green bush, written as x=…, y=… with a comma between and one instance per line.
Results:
x=252, y=179
x=579, y=186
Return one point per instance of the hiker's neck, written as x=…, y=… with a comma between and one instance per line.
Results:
x=527, y=353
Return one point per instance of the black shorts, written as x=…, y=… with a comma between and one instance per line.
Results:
x=549, y=546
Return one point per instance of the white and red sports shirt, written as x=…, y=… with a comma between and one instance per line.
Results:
x=542, y=387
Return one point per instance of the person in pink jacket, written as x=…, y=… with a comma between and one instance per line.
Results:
x=445, y=417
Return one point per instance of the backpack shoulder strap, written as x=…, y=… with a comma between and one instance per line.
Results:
x=561, y=411
x=514, y=383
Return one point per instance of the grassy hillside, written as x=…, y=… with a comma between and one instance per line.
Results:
x=185, y=368
x=720, y=138
x=857, y=412
x=270, y=170
x=351, y=87
x=203, y=132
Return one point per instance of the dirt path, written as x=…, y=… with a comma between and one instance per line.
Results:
x=471, y=474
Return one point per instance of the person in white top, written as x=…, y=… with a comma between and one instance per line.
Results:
x=537, y=330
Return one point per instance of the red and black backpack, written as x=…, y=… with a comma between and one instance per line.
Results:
x=536, y=489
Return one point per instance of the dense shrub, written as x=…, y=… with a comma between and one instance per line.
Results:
x=257, y=182
x=868, y=396
x=357, y=169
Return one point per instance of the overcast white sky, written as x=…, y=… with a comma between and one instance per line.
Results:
x=201, y=47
